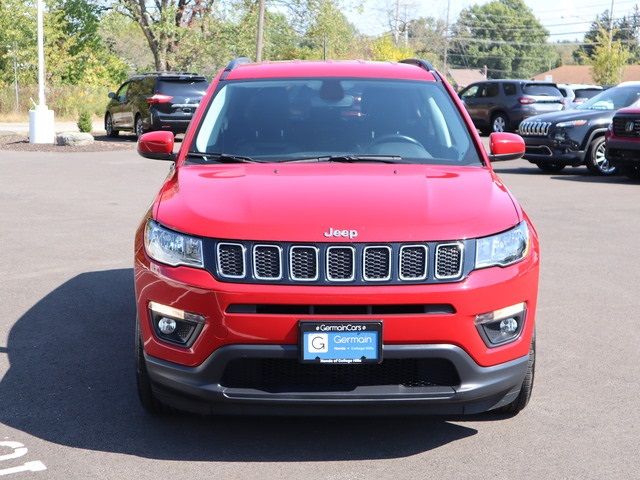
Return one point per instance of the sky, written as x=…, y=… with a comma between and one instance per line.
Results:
x=565, y=19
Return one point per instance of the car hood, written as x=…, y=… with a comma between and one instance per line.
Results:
x=300, y=202
x=568, y=115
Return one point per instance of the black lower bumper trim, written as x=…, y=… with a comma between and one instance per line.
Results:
x=198, y=389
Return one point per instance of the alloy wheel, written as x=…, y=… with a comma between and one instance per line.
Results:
x=601, y=161
x=139, y=127
x=499, y=124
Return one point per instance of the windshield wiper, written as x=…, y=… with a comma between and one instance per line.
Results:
x=222, y=157
x=350, y=159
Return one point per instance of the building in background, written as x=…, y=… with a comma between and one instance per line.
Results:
x=463, y=77
x=582, y=74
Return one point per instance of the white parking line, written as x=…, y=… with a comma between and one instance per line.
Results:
x=19, y=450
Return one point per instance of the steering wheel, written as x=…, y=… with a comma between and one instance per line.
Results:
x=396, y=137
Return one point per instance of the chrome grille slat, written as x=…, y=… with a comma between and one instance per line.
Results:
x=413, y=262
x=341, y=264
x=376, y=263
x=303, y=263
x=449, y=260
x=231, y=260
x=267, y=262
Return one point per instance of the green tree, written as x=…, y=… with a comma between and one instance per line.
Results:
x=625, y=30
x=166, y=23
x=427, y=38
x=608, y=59
x=328, y=33
x=505, y=36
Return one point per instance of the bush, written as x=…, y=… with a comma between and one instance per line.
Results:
x=68, y=101
x=84, y=122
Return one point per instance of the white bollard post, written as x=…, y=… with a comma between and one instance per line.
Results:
x=41, y=119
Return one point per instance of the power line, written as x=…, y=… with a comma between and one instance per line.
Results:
x=534, y=44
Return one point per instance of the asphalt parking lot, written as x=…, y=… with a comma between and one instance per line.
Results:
x=66, y=347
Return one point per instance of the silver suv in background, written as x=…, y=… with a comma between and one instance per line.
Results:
x=577, y=93
x=500, y=105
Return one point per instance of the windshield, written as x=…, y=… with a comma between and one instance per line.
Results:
x=284, y=120
x=612, y=99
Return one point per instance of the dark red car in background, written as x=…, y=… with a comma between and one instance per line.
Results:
x=623, y=142
x=307, y=255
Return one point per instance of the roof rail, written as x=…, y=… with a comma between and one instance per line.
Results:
x=168, y=74
x=233, y=64
x=424, y=64
x=419, y=63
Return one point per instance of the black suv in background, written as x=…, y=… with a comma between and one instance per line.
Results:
x=154, y=101
x=575, y=137
x=500, y=105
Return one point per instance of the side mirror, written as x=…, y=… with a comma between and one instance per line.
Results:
x=157, y=146
x=111, y=95
x=505, y=146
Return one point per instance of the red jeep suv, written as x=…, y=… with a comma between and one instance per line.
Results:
x=333, y=239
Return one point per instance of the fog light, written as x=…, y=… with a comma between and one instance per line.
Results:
x=508, y=325
x=168, y=325
x=501, y=326
x=174, y=325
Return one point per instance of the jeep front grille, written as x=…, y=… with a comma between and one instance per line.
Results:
x=534, y=129
x=626, y=127
x=323, y=263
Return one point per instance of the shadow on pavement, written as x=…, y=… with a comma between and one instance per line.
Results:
x=71, y=382
x=577, y=174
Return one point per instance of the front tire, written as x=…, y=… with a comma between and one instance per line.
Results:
x=139, y=126
x=524, y=396
x=147, y=398
x=550, y=167
x=108, y=126
x=499, y=123
x=596, y=160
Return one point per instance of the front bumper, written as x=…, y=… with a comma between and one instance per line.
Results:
x=189, y=378
x=176, y=123
x=547, y=150
x=201, y=390
x=623, y=153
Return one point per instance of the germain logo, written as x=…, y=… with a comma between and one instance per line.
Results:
x=341, y=233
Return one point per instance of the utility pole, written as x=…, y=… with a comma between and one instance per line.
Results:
x=260, y=34
x=611, y=24
x=446, y=39
x=406, y=26
x=396, y=23
x=324, y=46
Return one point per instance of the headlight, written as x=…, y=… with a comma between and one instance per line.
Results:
x=503, y=249
x=172, y=248
x=572, y=123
